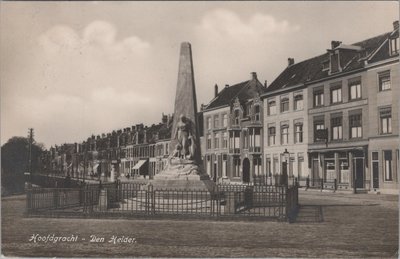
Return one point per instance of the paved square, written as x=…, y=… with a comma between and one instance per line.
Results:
x=328, y=225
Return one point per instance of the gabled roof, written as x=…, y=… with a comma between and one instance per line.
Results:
x=243, y=91
x=312, y=70
x=226, y=95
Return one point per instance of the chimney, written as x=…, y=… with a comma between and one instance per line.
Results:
x=253, y=75
x=266, y=84
x=290, y=61
x=226, y=86
x=215, y=90
x=335, y=44
x=395, y=25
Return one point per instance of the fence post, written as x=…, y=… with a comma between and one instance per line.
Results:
x=334, y=185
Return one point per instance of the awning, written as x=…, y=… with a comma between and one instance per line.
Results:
x=338, y=149
x=139, y=164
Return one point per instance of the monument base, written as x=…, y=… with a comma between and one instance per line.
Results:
x=183, y=184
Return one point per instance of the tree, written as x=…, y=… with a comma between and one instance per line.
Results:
x=14, y=162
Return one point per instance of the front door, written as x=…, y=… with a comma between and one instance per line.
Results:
x=246, y=170
x=315, y=173
x=359, y=172
x=375, y=174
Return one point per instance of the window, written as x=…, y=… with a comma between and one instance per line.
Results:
x=224, y=163
x=245, y=140
x=271, y=136
x=272, y=108
x=394, y=46
x=355, y=90
x=216, y=121
x=268, y=169
x=209, y=123
x=284, y=135
x=336, y=95
x=216, y=141
x=234, y=141
x=225, y=140
x=337, y=129
x=225, y=120
x=298, y=133
x=318, y=98
x=386, y=120
x=257, y=112
x=236, y=171
x=387, y=156
x=355, y=126
x=300, y=166
x=318, y=133
x=208, y=141
x=257, y=165
x=237, y=117
x=298, y=102
x=285, y=105
x=384, y=81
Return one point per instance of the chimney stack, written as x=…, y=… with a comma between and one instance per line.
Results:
x=266, y=84
x=396, y=25
x=254, y=75
x=215, y=90
x=290, y=61
x=335, y=44
x=226, y=86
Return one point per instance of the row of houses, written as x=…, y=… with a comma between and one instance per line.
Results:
x=330, y=118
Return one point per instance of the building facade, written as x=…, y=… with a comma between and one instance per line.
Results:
x=351, y=96
x=285, y=129
x=233, y=133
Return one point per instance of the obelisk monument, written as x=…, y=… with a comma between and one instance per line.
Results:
x=184, y=168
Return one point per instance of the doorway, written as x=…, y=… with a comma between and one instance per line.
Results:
x=359, y=172
x=246, y=170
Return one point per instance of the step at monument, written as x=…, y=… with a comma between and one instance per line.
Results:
x=184, y=169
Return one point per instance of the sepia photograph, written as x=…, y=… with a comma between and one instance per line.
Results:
x=199, y=129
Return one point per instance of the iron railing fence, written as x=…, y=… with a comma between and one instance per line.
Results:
x=274, y=202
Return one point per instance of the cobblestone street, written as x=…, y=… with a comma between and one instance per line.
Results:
x=328, y=225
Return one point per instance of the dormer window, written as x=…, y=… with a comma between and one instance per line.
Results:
x=325, y=65
x=394, y=46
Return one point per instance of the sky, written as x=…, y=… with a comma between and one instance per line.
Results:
x=73, y=69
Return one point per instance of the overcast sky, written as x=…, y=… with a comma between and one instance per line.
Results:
x=72, y=69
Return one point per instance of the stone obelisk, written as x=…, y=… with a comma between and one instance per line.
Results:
x=184, y=169
x=185, y=99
